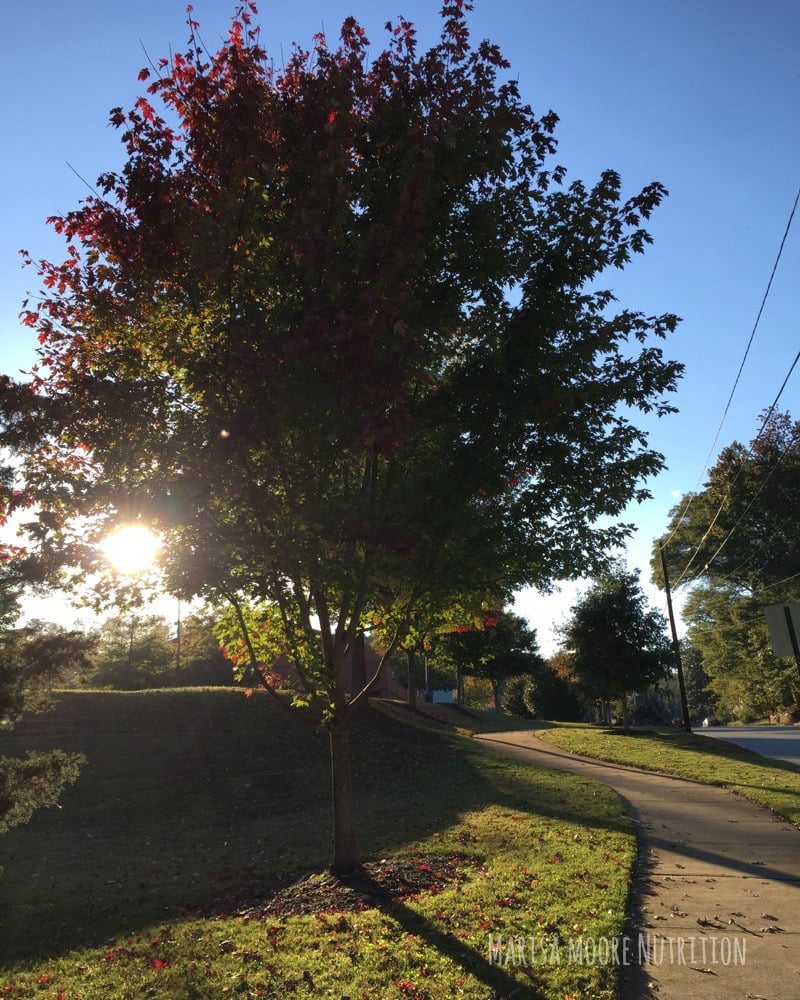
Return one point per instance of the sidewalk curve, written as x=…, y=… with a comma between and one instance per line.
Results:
x=716, y=893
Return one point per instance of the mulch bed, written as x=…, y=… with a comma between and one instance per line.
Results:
x=376, y=885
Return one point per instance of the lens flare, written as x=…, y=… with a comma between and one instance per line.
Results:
x=131, y=549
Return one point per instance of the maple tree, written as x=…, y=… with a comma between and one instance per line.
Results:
x=335, y=332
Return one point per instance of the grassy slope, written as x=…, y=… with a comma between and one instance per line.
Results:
x=191, y=797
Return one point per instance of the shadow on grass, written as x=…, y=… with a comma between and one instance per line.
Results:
x=194, y=796
x=490, y=973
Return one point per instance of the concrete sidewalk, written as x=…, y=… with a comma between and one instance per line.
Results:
x=716, y=893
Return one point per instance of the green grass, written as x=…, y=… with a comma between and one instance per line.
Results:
x=191, y=799
x=770, y=783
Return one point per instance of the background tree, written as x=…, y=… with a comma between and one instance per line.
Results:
x=477, y=692
x=514, y=698
x=543, y=694
x=699, y=698
x=746, y=678
x=737, y=545
x=134, y=651
x=549, y=694
x=52, y=651
x=740, y=530
x=28, y=668
x=283, y=337
x=617, y=644
x=202, y=662
x=497, y=646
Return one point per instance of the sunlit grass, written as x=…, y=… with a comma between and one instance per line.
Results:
x=771, y=783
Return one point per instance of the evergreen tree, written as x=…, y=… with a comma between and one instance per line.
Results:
x=616, y=643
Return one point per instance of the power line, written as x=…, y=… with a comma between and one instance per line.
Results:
x=730, y=489
x=758, y=317
x=693, y=495
x=779, y=583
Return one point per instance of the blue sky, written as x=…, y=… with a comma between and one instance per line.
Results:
x=699, y=95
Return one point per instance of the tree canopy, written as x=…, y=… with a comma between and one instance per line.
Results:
x=336, y=332
x=617, y=644
x=501, y=646
x=729, y=629
x=740, y=529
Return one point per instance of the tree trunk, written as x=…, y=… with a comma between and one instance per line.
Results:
x=411, y=690
x=358, y=665
x=345, y=850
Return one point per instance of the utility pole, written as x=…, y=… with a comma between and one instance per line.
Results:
x=675, y=644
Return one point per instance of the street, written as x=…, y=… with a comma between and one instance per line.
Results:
x=780, y=742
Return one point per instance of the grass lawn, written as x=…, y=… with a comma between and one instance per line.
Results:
x=159, y=874
x=771, y=783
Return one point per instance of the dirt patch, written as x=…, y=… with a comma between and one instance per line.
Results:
x=376, y=885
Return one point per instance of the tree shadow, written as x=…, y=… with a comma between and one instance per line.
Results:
x=491, y=973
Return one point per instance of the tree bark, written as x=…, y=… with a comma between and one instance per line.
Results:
x=345, y=848
x=358, y=665
x=411, y=690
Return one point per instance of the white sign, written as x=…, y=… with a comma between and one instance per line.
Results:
x=778, y=618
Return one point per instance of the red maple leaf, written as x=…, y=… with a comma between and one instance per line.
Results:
x=147, y=109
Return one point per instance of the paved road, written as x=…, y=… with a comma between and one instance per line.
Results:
x=781, y=742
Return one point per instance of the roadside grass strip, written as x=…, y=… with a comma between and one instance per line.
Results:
x=770, y=783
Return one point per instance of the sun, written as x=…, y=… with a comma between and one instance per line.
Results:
x=131, y=549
